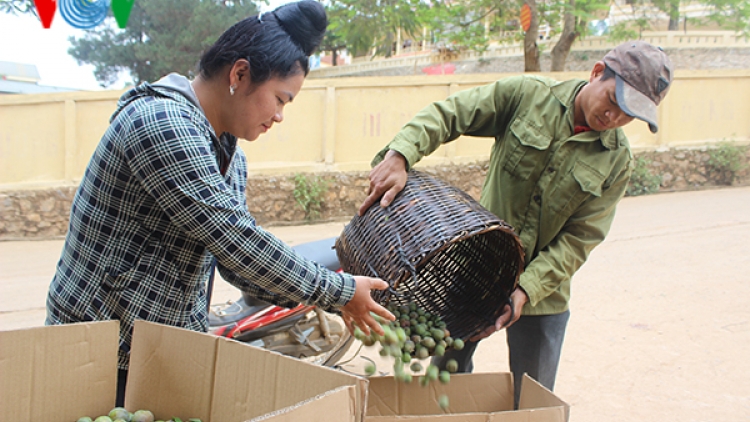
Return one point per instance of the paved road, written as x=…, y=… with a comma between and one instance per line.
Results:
x=660, y=324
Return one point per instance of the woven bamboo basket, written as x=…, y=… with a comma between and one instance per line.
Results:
x=438, y=247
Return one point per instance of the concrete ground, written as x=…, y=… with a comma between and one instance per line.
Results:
x=660, y=322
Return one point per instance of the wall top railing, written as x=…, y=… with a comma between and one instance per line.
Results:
x=339, y=124
x=664, y=39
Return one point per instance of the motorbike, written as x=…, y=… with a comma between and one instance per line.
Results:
x=304, y=332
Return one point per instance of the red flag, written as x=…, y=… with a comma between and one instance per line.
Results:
x=525, y=16
x=46, y=10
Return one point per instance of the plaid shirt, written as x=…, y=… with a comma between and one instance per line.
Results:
x=153, y=211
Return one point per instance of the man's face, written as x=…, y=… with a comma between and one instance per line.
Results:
x=599, y=104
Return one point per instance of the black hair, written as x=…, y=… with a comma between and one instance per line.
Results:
x=608, y=73
x=278, y=43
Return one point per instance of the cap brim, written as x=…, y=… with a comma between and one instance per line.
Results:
x=635, y=104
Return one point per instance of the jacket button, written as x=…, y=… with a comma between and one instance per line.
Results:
x=538, y=199
x=550, y=169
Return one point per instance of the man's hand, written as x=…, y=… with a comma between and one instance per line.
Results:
x=357, y=311
x=519, y=298
x=387, y=179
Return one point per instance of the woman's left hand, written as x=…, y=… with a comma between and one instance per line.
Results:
x=361, y=308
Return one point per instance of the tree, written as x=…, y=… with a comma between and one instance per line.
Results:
x=334, y=38
x=332, y=42
x=465, y=24
x=365, y=25
x=530, y=47
x=162, y=36
x=731, y=14
x=569, y=34
x=17, y=6
x=576, y=16
x=672, y=9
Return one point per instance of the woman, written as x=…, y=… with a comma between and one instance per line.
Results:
x=163, y=197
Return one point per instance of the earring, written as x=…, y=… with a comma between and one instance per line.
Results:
x=231, y=90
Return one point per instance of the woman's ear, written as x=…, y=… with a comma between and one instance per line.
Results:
x=239, y=73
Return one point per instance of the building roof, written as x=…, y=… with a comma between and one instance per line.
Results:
x=19, y=72
x=21, y=78
x=15, y=87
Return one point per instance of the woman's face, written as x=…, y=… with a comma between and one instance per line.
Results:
x=255, y=108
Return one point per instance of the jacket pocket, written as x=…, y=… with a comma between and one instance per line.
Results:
x=142, y=278
x=151, y=289
x=581, y=183
x=526, y=149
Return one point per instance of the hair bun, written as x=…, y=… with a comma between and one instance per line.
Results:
x=305, y=21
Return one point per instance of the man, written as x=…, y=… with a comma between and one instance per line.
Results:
x=559, y=165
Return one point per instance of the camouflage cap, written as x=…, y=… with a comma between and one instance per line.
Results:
x=643, y=77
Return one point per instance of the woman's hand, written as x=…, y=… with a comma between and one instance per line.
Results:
x=387, y=179
x=519, y=298
x=358, y=310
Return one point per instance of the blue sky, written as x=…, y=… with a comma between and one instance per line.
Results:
x=23, y=40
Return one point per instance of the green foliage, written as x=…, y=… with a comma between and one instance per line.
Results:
x=731, y=14
x=584, y=11
x=162, y=36
x=642, y=181
x=622, y=32
x=333, y=42
x=17, y=6
x=725, y=161
x=308, y=192
x=460, y=24
x=367, y=24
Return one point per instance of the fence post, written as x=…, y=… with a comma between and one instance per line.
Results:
x=71, y=142
x=329, y=126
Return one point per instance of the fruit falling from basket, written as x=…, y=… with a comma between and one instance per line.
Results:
x=414, y=335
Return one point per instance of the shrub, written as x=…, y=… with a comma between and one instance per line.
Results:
x=308, y=192
x=642, y=181
x=724, y=162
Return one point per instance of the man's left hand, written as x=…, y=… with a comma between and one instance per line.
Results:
x=519, y=298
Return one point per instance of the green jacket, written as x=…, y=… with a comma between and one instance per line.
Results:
x=558, y=190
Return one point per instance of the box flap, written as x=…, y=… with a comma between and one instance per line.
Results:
x=547, y=414
x=535, y=395
x=58, y=373
x=251, y=382
x=462, y=417
x=333, y=406
x=171, y=371
x=468, y=393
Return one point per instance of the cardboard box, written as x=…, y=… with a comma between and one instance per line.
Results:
x=480, y=397
x=61, y=373
x=333, y=406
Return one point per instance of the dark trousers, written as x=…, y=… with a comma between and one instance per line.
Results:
x=122, y=379
x=122, y=375
x=534, y=348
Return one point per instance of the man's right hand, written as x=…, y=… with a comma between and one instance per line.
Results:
x=508, y=317
x=387, y=179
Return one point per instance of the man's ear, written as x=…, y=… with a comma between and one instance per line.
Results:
x=597, y=71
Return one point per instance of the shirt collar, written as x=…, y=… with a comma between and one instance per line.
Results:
x=566, y=92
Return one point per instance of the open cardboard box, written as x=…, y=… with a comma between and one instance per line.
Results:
x=332, y=406
x=60, y=373
x=479, y=397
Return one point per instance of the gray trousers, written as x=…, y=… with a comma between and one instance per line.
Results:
x=534, y=347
